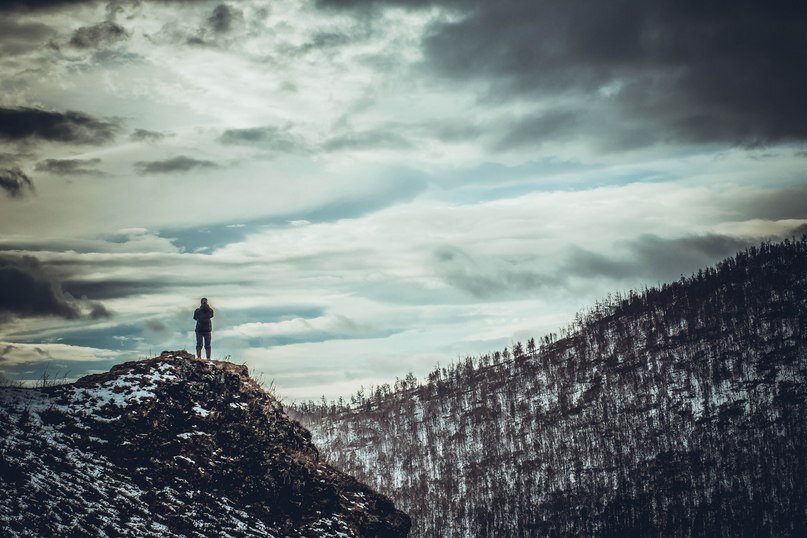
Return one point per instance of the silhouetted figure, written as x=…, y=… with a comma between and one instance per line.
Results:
x=204, y=328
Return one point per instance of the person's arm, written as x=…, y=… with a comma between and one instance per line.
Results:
x=196, y=314
x=211, y=312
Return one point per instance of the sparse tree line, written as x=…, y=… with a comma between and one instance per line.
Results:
x=675, y=410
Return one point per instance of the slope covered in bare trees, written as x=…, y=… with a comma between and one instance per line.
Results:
x=680, y=410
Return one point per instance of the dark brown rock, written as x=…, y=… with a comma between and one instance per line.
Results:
x=196, y=446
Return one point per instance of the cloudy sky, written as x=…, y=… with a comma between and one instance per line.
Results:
x=365, y=188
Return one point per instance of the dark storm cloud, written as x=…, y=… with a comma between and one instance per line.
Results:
x=651, y=256
x=12, y=158
x=144, y=135
x=180, y=163
x=268, y=137
x=112, y=6
x=27, y=290
x=15, y=183
x=114, y=289
x=99, y=311
x=7, y=349
x=223, y=17
x=20, y=37
x=668, y=258
x=21, y=124
x=33, y=5
x=99, y=34
x=797, y=232
x=70, y=167
x=721, y=71
x=776, y=204
x=217, y=28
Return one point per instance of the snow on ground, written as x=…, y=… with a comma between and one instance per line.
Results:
x=51, y=449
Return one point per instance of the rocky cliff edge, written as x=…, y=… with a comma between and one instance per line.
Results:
x=172, y=446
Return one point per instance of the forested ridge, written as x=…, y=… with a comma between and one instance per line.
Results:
x=677, y=410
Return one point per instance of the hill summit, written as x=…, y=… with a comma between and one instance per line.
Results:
x=172, y=446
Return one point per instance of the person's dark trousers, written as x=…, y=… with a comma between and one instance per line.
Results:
x=200, y=337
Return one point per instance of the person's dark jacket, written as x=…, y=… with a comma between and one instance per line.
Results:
x=202, y=316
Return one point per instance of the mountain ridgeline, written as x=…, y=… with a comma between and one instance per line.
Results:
x=680, y=410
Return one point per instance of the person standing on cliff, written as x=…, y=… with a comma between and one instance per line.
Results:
x=204, y=328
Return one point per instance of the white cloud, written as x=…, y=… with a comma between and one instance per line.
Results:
x=384, y=222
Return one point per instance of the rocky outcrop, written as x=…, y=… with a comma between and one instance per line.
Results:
x=172, y=446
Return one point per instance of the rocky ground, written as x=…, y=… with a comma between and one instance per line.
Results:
x=172, y=446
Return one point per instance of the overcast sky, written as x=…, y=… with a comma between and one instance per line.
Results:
x=366, y=188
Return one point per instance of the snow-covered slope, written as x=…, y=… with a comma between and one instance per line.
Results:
x=172, y=446
x=678, y=411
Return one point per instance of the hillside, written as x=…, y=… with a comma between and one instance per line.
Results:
x=172, y=446
x=677, y=411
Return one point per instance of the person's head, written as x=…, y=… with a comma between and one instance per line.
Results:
x=204, y=301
